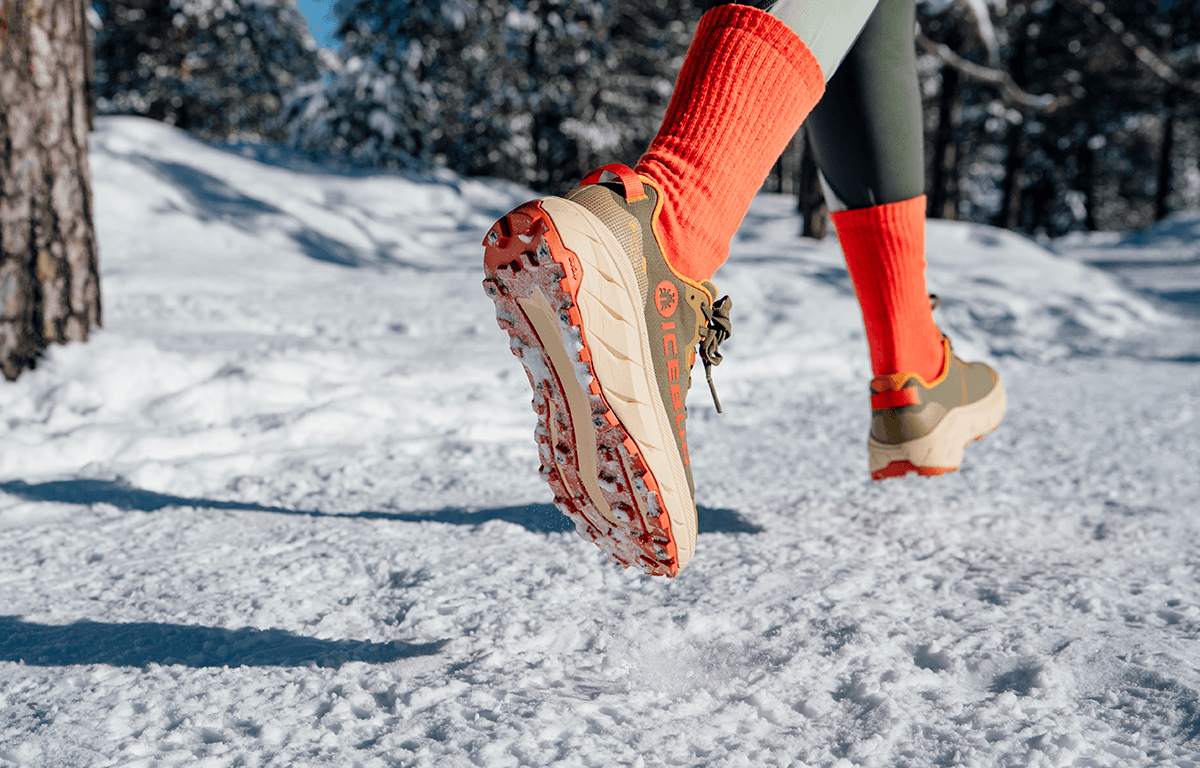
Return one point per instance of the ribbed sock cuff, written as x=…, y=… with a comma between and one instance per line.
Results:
x=885, y=255
x=746, y=85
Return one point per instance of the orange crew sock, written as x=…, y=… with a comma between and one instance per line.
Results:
x=747, y=83
x=885, y=254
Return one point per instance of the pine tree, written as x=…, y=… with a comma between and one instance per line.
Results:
x=537, y=91
x=216, y=68
x=649, y=41
x=369, y=109
x=1112, y=147
x=482, y=86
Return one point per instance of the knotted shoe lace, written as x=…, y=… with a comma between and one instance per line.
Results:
x=607, y=333
x=919, y=426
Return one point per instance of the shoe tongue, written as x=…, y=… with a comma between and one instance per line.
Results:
x=710, y=289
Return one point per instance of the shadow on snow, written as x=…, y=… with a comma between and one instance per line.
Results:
x=212, y=199
x=136, y=645
x=1166, y=274
x=538, y=518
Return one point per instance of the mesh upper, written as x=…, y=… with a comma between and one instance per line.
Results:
x=599, y=200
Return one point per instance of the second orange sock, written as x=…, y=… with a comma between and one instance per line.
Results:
x=885, y=254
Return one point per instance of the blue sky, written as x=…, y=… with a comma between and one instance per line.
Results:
x=320, y=19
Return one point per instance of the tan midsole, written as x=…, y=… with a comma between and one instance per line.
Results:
x=609, y=300
x=943, y=446
x=545, y=323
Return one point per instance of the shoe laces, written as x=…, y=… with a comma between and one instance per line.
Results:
x=717, y=328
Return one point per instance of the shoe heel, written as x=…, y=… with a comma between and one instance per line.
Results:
x=940, y=451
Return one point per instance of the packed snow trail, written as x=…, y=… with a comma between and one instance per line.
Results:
x=284, y=508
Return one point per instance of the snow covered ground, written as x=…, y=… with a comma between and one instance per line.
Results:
x=284, y=509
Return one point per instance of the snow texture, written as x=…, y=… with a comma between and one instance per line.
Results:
x=284, y=509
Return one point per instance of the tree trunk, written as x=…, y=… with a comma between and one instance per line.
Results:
x=1011, y=186
x=785, y=172
x=535, y=129
x=1087, y=180
x=1165, y=158
x=89, y=61
x=49, y=281
x=810, y=197
x=943, y=203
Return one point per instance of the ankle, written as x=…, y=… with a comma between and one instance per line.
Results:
x=885, y=256
x=720, y=136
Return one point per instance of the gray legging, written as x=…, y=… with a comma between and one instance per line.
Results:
x=866, y=131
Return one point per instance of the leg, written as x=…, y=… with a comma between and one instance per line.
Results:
x=749, y=80
x=605, y=294
x=868, y=142
x=866, y=132
x=867, y=137
x=829, y=29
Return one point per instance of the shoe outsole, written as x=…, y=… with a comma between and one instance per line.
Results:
x=588, y=458
x=940, y=451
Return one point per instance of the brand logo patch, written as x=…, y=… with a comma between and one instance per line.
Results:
x=666, y=298
x=671, y=351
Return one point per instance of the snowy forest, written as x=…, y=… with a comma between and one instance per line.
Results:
x=284, y=507
x=1041, y=117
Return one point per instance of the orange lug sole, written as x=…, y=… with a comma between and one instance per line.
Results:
x=902, y=468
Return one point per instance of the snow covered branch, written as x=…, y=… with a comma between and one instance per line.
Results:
x=1155, y=64
x=1002, y=80
x=985, y=28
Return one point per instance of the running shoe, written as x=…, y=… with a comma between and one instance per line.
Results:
x=607, y=333
x=922, y=427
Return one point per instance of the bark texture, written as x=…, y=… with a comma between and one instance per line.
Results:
x=49, y=281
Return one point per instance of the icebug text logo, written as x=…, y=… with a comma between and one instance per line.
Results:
x=666, y=298
x=674, y=384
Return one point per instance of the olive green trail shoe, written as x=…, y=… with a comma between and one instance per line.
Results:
x=922, y=427
x=607, y=333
